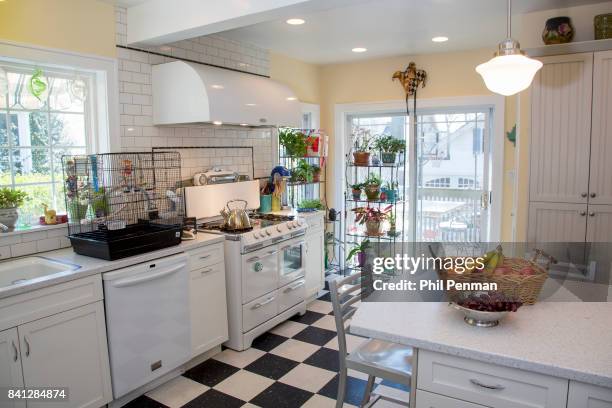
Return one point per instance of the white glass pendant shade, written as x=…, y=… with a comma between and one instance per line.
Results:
x=509, y=74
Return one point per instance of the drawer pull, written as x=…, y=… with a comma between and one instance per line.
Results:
x=258, y=305
x=489, y=387
x=253, y=259
x=205, y=271
x=294, y=287
x=205, y=257
x=16, y=353
x=27, y=344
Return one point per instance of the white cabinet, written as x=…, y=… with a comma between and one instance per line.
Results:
x=208, y=298
x=561, y=97
x=426, y=399
x=68, y=350
x=315, y=257
x=599, y=225
x=600, y=183
x=208, y=308
x=557, y=222
x=588, y=396
x=10, y=365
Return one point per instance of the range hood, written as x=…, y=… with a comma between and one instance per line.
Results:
x=185, y=92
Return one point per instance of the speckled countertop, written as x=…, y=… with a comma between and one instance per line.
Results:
x=90, y=266
x=562, y=339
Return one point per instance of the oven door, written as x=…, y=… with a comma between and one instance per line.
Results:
x=291, y=260
x=259, y=273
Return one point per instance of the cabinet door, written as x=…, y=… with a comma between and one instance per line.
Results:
x=10, y=366
x=600, y=183
x=561, y=98
x=208, y=308
x=599, y=224
x=557, y=222
x=68, y=350
x=588, y=396
x=315, y=262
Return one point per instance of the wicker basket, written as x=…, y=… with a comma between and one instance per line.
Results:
x=513, y=284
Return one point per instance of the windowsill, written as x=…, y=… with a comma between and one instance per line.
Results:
x=33, y=228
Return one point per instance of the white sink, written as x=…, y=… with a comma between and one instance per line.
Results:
x=23, y=270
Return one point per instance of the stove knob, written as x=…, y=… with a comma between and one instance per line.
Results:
x=289, y=225
x=262, y=234
x=299, y=222
x=255, y=235
x=295, y=224
x=279, y=229
x=268, y=233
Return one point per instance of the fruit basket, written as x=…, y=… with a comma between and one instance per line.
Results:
x=517, y=279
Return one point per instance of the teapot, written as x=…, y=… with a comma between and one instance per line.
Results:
x=236, y=218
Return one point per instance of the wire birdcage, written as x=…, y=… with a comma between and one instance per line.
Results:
x=121, y=204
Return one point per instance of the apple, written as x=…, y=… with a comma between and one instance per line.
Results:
x=528, y=270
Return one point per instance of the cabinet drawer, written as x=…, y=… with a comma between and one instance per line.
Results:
x=259, y=311
x=206, y=256
x=26, y=307
x=291, y=294
x=426, y=399
x=489, y=384
x=588, y=396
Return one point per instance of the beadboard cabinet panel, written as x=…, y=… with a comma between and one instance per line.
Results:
x=599, y=225
x=600, y=183
x=561, y=99
x=557, y=222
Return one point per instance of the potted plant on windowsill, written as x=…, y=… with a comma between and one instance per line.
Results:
x=373, y=218
x=294, y=142
x=361, y=147
x=10, y=201
x=302, y=173
x=389, y=147
x=356, y=191
x=372, y=187
x=359, y=251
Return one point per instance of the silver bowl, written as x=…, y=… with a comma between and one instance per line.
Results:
x=479, y=318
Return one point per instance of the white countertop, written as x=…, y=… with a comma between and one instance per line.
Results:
x=562, y=339
x=91, y=266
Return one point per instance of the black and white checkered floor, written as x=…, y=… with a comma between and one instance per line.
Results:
x=293, y=365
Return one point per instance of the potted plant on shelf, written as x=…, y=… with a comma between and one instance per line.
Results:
x=302, y=173
x=294, y=142
x=356, y=191
x=390, y=191
x=10, y=201
x=389, y=147
x=316, y=172
x=392, y=225
x=372, y=187
x=359, y=250
x=361, y=147
x=373, y=218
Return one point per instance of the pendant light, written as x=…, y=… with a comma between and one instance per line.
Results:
x=510, y=71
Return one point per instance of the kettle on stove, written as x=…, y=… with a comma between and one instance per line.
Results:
x=236, y=218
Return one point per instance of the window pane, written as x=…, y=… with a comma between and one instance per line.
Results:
x=33, y=207
x=31, y=165
x=19, y=95
x=4, y=130
x=29, y=129
x=63, y=95
x=68, y=129
x=5, y=167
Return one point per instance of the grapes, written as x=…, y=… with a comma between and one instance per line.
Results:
x=490, y=302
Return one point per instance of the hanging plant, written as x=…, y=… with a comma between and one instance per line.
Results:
x=37, y=85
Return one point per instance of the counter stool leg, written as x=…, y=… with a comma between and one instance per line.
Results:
x=368, y=390
x=341, y=388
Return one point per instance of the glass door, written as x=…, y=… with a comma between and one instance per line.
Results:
x=291, y=260
x=452, y=173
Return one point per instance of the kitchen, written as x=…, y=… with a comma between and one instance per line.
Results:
x=254, y=168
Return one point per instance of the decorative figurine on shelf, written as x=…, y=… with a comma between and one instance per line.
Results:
x=558, y=30
x=50, y=216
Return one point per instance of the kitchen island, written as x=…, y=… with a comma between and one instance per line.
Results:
x=552, y=354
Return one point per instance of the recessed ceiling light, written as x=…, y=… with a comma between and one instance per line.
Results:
x=244, y=124
x=291, y=98
x=359, y=49
x=130, y=129
x=440, y=38
x=250, y=104
x=215, y=86
x=295, y=21
x=217, y=122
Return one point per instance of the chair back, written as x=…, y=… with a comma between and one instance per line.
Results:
x=344, y=293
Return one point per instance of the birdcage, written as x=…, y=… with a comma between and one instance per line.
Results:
x=123, y=204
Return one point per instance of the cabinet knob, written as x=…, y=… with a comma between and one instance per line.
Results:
x=592, y=214
x=583, y=213
x=593, y=195
x=584, y=195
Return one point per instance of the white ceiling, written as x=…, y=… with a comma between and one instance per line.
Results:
x=391, y=27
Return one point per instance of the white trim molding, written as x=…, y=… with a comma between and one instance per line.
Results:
x=494, y=102
x=106, y=104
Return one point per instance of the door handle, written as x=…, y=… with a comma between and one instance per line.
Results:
x=271, y=252
x=15, y=351
x=584, y=195
x=593, y=195
x=583, y=213
x=253, y=259
x=294, y=287
x=258, y=305
x=27, y=344
x=487, y=386
x=484, y=200
x=592, y=214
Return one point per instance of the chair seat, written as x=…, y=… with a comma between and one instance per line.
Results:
x=385, y=356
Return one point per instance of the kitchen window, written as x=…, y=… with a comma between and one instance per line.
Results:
x=36, y=131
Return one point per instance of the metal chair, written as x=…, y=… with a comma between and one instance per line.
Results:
x=376, y=358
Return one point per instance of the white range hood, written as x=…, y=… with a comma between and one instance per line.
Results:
x=185, y=92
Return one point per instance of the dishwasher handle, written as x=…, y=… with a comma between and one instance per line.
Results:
x=121, y=283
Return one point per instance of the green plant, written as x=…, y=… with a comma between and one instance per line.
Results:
x=389, y=144
x=294, y=141
x=391, y=219
x=364, y=214
x=372, y=180
x=358, y=249
x=390, y=185
x=10, y=198
x=356, y=186
x=302, y=173
x=311, y=204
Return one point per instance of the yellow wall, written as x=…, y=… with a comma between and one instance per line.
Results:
x=86, y=26
x=300, y=76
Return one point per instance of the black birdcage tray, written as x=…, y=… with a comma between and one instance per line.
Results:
x=133, y=240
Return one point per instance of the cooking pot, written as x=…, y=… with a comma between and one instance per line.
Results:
x=236, y=218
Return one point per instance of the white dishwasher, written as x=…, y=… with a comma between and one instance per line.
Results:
x=147, y=320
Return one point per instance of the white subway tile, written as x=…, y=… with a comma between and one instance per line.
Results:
x=132, y=109
x=131, y=87
x=132, y=66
